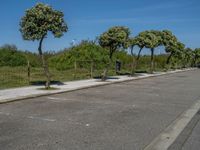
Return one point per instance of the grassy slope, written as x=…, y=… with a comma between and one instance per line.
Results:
x=17, y=76
x=13, y=70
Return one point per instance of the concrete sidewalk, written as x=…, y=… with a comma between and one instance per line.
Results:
x=9, y=95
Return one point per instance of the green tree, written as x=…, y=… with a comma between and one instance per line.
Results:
x=137, y=41
x=188, y=56
x=170, y=43
x=36, y=24
x=132, y=44
x=176, y=50
x=115, y=38
x=178, y=54
x=196, y=56
x=152, y=39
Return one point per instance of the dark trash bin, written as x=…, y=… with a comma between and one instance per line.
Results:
x=118, y=66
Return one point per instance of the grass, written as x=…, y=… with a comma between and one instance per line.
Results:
x=11, y=77
x=17, y=76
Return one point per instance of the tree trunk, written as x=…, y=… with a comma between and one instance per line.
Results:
x=29, y=72
x=135, y=61
x=152, y=61
x=91, y=69
x=194, y=62
x=44, y=64
x=169, y=58
x=168, y=61
x=104, y=77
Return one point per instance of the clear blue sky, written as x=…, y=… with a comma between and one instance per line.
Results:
x=87, y=19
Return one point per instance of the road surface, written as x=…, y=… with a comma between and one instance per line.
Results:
x=123, y=116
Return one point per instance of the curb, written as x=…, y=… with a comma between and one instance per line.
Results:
x=165, y=139
x=186, y=134
x=5, y=101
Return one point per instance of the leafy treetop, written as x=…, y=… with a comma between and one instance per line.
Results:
x=39, y=20
x=197, y=52
x=115, y=37
x=150, y=39
x=168, y=38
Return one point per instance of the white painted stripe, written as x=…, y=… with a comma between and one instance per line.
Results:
x=54, y=98
x=29, y=117
x=169, y=135
x=4, y=113
x=40, y=118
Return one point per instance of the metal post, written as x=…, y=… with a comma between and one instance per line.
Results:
x=92, y=69
x=75, y=69
x=29, y=72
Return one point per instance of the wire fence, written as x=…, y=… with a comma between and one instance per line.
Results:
x=29, y=75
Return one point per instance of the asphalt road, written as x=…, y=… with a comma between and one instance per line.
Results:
x=193, y=141
x=189, y=139
x=124, y=116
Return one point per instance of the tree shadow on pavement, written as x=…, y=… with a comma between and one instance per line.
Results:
x=39, y=83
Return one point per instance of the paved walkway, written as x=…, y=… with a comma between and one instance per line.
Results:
x=34, y=91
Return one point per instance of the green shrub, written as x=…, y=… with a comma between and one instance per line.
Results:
x=12, y=58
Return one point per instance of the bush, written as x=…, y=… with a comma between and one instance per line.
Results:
x=85, y=52
x=11, y=57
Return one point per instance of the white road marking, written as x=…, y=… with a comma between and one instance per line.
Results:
x=40, y=118
x=29, y=117
x=133, y=106
x=56, y=99
x=87, y=125
x=4, y=113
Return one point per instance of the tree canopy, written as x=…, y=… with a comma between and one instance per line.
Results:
x=150, y=39
x=40, y=20
x=115, y=38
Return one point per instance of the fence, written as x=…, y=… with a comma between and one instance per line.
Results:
x=28, y=75
x=13, y=77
